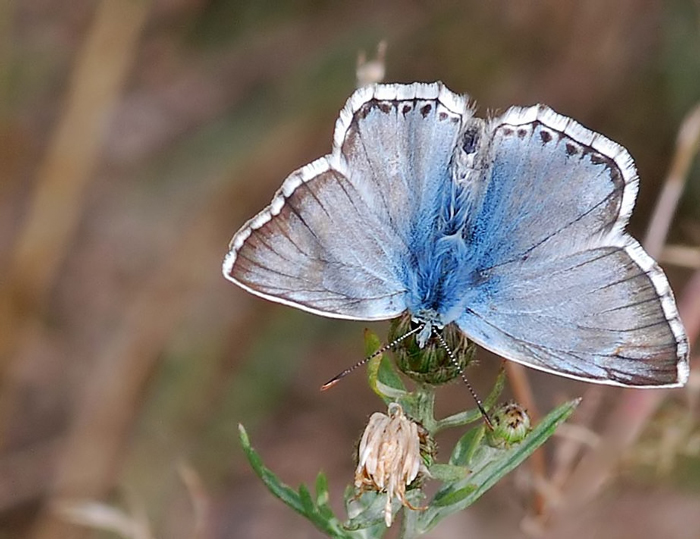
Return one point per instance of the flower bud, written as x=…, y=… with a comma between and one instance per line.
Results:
x=511, y=424
x=431, y=364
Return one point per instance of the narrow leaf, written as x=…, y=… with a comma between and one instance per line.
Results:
x=274, y=485
x=490, y=401
x=301, y=502
x=322, y=495
x=489, y=466
x=447, y=473
x=464, y=450
x=306, y=500
x=451, y=497
x=470, y=416
x=371, y=511
x=383, y=379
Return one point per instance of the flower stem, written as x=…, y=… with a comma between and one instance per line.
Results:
x=425, y=407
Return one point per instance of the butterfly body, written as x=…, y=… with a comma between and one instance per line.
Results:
x=512, y=227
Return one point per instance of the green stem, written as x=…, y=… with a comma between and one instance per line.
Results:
x=425, y=407
x=408, y=524
x=409, y=517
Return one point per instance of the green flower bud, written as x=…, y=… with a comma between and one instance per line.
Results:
x=431, y=364
x=511, y=424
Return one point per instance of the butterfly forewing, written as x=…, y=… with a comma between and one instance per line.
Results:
x=340, y=233
x=299, y=255
x=398, y=150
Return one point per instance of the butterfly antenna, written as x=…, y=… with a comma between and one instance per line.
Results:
x=330, y=383
x=453, y=359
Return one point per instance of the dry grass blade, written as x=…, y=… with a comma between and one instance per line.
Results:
x=73, y=151
x=687, y=145
x=572, y=436
x=94, y=446
x=103, y=517
x=681, y=255
x=198, y=497
x=634, y=409
x=109, y=404
x=372, y=71
x=522, y=390
x=75, y=146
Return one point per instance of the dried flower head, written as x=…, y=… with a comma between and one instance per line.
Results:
x=389, y=457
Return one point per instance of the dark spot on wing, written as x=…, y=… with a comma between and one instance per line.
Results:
x=385, y=107
x=366, y=109
x=425, y=109
x=507, y=131
x=442, y=116
x=406, y=109
x=522, y=132
x=616, y=177
x=598, y=159
x=546, y=136
x=571, y=149
x=470, y=140
x=477, y=277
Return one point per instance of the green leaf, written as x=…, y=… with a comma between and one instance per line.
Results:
x=388, y=377
x=488, y=466
x=351, y=499
x=382, y=377
x=368, y=511
x=464, y=450
x=447, y=473
x=306, y=500
x=322, y=495
x=301, y=501
x=273, y=484
x=451, y=497
x=490, y=401
x=372, y=343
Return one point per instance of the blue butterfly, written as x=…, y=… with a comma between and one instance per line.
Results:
x=511, y=227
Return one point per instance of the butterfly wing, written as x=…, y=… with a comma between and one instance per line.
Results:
x=563, y=288
x=336, y=238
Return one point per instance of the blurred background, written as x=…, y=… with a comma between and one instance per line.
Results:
x=136, y=136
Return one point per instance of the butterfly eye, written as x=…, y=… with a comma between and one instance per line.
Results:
x=470, y=140
x=415, y=324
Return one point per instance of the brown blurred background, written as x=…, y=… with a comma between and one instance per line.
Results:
x=136, y=136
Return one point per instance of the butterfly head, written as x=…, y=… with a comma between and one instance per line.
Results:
x=430, y=320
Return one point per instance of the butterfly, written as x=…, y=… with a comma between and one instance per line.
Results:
x=511, y=227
